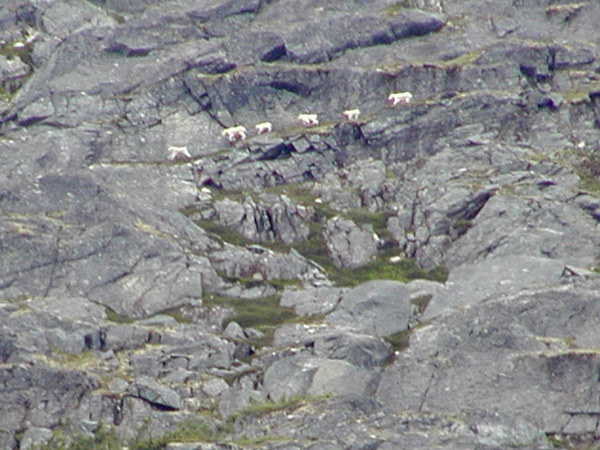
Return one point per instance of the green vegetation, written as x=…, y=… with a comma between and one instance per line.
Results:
x=582, y=441
x=399, y=341
x=285, y=405
x=256, y=442
x=79, y=361
x=103, y=439
x=192, y=430
x=587, y=166
x=261, y=314
x=248, y=283
x=197, y=429
x=178, y=314
x=106, y=438
x=397, y=7
x=420, y=303
x=581, y=93
x=10, y=52
x=380, y=269
x=225, y=234
x=314, y=248
x=459, y=227
x=115, y=317
x=4, y=94
x=264, y=314
x=268, y=407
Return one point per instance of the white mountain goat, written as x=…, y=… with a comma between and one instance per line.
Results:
x=399, y=97
x=234, y=134
x=178, y=153
x=308, y=120
x=351, y=114
x=263, y=128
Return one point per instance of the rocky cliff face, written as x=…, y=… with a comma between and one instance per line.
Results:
x=420, y=277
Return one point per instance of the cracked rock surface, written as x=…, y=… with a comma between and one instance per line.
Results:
x=423, y=276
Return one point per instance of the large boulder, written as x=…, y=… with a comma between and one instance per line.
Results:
x=156, y=393
x=308, y=302
x=379, y=308
x=472, y=283
x=528, y=355
x=40, y=394
x=271, y=218
x=350, y=245
x=297, y=376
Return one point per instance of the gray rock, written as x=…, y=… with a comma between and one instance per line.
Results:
x=214, y=387
x=554, y=230
x=541, y=367
x=234, y=330
x=296, y=335
x=24, y=388
x=118, y=385
x=359, y=350
x=238, y=262
x=12, y=69
x=379, y=308
x=308, y=302
x=235, y=400
x=157, y=394
x=288, y=377
x=494, y=158
x=339, y=378
x=159, y=320
x=120, y=337
x=295, y=376
x=200, y=446
x=35, y=437
x=63, y=18
x=342, y=31
x=180, y=376
x=348, y=244
x=268, y=219
x=470, y=284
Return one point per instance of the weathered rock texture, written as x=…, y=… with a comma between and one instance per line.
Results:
x=139, y=295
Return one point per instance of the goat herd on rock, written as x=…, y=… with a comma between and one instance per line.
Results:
x=239, y=132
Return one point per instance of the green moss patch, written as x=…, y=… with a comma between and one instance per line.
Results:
x=104, y=438
x=399, y=341
x=262, y=314
x=397, y=7
x=115, y=317
x=286, y=405
x=10, y=52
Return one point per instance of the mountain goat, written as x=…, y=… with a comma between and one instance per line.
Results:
x=263, y=128
x=399, y=97
x=179, y=154
x=234, y=134
x=308, y=120
x=351, y=114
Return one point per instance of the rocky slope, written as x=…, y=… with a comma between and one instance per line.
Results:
x=420, y=278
